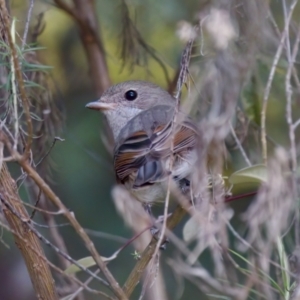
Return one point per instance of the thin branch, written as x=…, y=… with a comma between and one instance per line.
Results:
x=296, y=124
x=270, y=81
x=57, y=138
x=240, y=146
x=276, y=28
x=289, y=120
x=14, y=90
x=288, y=91
x=288, y=46
x=36, y=204
x=240, y=196
x=29, y=13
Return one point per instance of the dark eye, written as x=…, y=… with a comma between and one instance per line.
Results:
x=131, y=95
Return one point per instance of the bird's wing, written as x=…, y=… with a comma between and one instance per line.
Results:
x=146, y=142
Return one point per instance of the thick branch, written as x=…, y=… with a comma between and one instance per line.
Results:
x=37, y=267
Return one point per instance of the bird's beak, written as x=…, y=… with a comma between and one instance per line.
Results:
x=98, y=105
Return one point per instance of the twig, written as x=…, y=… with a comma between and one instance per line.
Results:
x=240, y=146
x=237, y=197
x=288, y=91
x=36, y=204
x=289, y=120
x=14, y=91
x=270, y=80
x=296, y=124
x=57, y=138
x=276, y=28
x=29, y=13
x=288, y=46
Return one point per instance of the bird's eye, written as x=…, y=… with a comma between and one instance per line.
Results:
x=131, y=95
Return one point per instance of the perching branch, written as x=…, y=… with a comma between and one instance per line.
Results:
x=136, y=274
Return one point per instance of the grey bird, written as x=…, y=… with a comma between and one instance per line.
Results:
x=141, y=117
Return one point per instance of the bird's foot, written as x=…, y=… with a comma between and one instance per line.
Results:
x=154, y=230
x=156, y=234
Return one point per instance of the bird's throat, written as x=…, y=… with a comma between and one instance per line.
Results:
x=119, y=117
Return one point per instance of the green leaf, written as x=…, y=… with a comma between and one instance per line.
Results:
x=253, y=174
x=86, y=262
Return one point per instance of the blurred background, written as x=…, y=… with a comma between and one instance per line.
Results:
x=81, y=165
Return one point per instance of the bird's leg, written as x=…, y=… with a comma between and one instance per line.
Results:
x=155, y=232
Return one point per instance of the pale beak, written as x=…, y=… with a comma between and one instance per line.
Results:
x=97, y=105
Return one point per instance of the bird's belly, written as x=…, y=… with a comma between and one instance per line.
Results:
x=150, y=193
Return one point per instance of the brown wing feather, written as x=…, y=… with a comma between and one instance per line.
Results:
x=185, y=137
x=139, y=150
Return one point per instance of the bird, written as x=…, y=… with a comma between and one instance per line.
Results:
x=152, y=139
